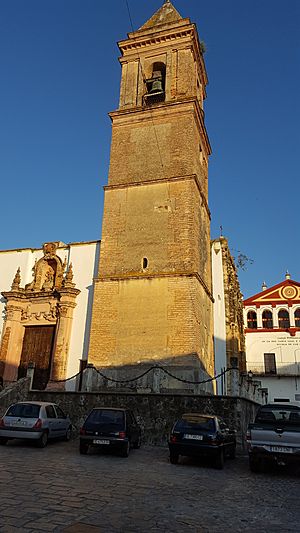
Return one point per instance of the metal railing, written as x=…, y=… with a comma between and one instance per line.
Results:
x=288, y=368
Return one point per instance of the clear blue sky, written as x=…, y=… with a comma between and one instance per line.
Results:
x=60, y=77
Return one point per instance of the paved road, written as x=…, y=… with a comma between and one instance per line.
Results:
x=56, y=489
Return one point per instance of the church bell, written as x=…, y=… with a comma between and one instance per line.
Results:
x=157, y=86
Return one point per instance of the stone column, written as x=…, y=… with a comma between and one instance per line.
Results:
x=275, y=318
x=63, y=334
x=89, y=377
x=156, y=380
x=292, y=317
x=233, y=382
x=11, y=345
x=30, y=373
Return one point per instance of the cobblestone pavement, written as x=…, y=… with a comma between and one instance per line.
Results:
x=56, y=489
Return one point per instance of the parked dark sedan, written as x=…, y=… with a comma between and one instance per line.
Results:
x=198, y=435
x=111, y=429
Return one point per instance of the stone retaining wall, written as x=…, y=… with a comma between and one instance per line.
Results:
x=15, y=392
x=155, y=412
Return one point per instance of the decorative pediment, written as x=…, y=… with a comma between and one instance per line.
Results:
x=48, y=271
x=50, y=279
x=286, y=292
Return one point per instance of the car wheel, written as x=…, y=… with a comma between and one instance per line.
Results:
x=219, y=461
x=231, y=453
x=43, y=440
x=174, y=458
x=68, y=434
x=137, y=443
x=3, y=441
x=125, y=450
x=254, y=465
x=83, y=448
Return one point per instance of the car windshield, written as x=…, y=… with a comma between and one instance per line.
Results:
x=24, y=410
x=195, y=422
x=280, y=415
x=107, y=418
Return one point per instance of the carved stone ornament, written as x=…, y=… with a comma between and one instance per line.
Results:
x=16, y=281
x=63, y=310
x=50, y=316
x=48, y=271
x=68, y=280
x=10, y=312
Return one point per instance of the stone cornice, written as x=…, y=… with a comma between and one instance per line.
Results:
x=69, y=291
x=137, y=41
x=163, y=180
x=126, y=277
x=40, y=295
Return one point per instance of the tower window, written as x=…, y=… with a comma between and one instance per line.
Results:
x=252, y=320
x=267, y=319
x=145, y=262
x=156, y=84
x=283, y=319
x=297, y=318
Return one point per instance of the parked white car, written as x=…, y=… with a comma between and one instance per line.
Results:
x=37, y=421
x=274, y=436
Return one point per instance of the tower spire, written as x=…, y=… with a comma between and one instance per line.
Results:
x=166, y=14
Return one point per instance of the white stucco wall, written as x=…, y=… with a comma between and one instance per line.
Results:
x=219, y=314
x=282, y=387
x=84, y=257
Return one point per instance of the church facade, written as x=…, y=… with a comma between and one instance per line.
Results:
x=147, y=296
x=272, y=321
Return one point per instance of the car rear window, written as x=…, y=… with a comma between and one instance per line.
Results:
x=24, y=410
x=106, y=417
x=282, y=415
x=199, y=422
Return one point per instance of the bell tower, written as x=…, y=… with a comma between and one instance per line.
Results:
x=152, y=297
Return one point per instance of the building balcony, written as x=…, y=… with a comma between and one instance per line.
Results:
x=282, y=369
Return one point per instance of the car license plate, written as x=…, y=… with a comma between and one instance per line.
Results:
x=19, y=423
x=100, y=441
x=194, y=437
x=281, y=449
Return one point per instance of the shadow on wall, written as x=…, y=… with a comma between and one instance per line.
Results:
x=14, y=392
x=181, y=374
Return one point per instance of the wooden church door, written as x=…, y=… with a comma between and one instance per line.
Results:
x=37, y=348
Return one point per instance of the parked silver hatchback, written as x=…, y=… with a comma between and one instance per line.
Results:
x=37, y=421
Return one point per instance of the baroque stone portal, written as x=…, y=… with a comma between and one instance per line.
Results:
x=38, y=321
